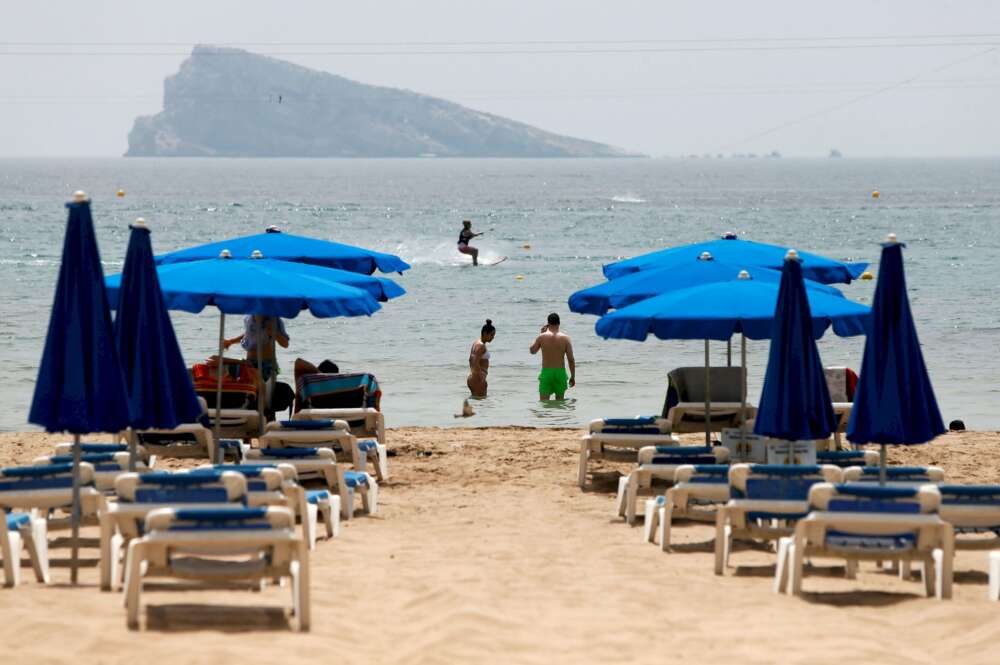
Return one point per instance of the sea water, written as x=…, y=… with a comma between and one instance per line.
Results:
x=558, y=221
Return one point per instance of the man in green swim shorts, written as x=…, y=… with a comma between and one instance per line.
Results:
x=557, y=351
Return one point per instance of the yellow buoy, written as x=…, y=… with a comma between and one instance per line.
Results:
x=867, y=276
x=121, y=193
x=876, y=194
x=519, y=278
x=525, y=246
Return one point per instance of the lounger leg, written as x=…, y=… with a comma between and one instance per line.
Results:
x=335, y=515
x=905, y=570
x=10, y=550
x=346, y=502
x=372, y=506
x=382, y=454
x=621, y=496
x=304, y=609
x=133, y=583
x=650, y=517
x=932, y=574
x=946, y=574
x=107, y=567
x=781, y=565
x=666, y=523
x=727, y=552
x=851, y=569
x=721, y=522
x=584, y=460
x=632, y=495
x=324, y=509
x=36, y=539
x=797, y=571
x=994, y=590
x=309, y=524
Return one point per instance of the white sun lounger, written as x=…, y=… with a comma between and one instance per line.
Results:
x=41, y=489
x=847, y=458
x=321, y=464
x=107, y=466
x=619, y=439
x=374, y=426
x=140, y=494
x=864, y=522
x=278, y=485
x=192, y=440
x=141, y=453
x=19, y=530
x=333, y=434
x=766, y=501
x=220, y=546
x=974, y=513
x=660, y=463
x=697, y=493
x=896, y=476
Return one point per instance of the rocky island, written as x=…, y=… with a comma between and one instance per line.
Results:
x=231, y=103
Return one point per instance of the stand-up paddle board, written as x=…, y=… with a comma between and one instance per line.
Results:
x=495, y=261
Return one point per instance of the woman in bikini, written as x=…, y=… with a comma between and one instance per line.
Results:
x=479, y=361
x=464, y=236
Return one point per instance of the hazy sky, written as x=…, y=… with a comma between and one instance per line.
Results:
x=729, y=76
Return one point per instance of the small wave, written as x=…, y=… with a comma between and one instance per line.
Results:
x=627, y=198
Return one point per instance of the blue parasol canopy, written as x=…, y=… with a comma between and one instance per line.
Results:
x=720, y=310
x=795, y=401
x=260, y=286
x=159, y=386
x=80, y=386
x=894, y=401
x=677, y=271
x=299, y=249
x=747, y=252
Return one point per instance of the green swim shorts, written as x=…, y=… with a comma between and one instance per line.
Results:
x=553, y=380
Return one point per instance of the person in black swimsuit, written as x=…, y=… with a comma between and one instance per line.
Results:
x=464, y=236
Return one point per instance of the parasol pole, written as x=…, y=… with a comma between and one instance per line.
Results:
x=261, y=391
x=75, y=514
x=743, y=393
x=708, y=398
x=218, y=389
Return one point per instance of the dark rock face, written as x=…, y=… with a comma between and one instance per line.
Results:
x=231, y=103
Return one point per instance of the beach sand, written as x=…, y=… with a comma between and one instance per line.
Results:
x=485, y=550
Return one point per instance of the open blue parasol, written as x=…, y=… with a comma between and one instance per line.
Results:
x=730, y=249
x=159, y=386
x=678, y=271
x=894, y=401
x=80, y=387
x=299, y=249
x=795, y=401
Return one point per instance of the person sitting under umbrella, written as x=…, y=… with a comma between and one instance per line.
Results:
x=272, y=329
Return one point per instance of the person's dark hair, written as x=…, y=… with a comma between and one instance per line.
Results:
x=466, y=222
x=328, y=367
x=553, y=319
x=488, y=328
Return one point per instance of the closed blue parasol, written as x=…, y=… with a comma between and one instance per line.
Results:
x=720, y=310
x=80, y=387
x=678, y=271
x=747, y=252
x=159, y=386
x=795, y=401
x=299, y=249
x=894, y=401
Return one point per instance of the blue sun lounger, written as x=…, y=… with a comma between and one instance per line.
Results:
x=219, y=546
x=864, y=522
x=658, y=466
x=107, y=466
x=896, y=476
x=847, y=458
x=767, y=500
x=698, y=492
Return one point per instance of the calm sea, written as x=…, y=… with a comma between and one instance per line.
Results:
x=558, y=221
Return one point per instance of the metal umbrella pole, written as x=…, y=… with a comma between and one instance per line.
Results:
x=743, y=393
x=75, y=515
x=133, y=447
x=729, y=352
x=708, y=398
x=261, y=391
x=218, y=390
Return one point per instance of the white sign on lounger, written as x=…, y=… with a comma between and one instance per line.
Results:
x=752, y=449
x=802, y=452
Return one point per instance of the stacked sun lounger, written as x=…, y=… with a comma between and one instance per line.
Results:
x=657, y=468
x=620, y=439
x=326, y=433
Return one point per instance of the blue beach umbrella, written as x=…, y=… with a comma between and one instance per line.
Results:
x=795, y=401
x=678, y=271
x=80, y=387
x=260, y=286
x=299, y=249
x=747, y=252
x=161, y=394
x=894, y=401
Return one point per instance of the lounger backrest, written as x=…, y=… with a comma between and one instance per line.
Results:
x=219, y=519
x=971, y=508
x=165, y=487
x=102, y=462
x=702, y=473
x=66, y=448
x=683, y=455
x=335, y=391
x=259, y=478
x=687, y=384
x=895, y=474
x=40, y=486
x=847, y=458
x=289, y=455
x=779, y=482
x=638, y=425
x=868, y=498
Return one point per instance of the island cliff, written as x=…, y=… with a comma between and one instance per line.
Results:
x=231, y=103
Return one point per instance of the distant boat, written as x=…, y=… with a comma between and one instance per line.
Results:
x=835, y=154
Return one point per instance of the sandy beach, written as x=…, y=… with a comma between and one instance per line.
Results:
x=486, y=551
